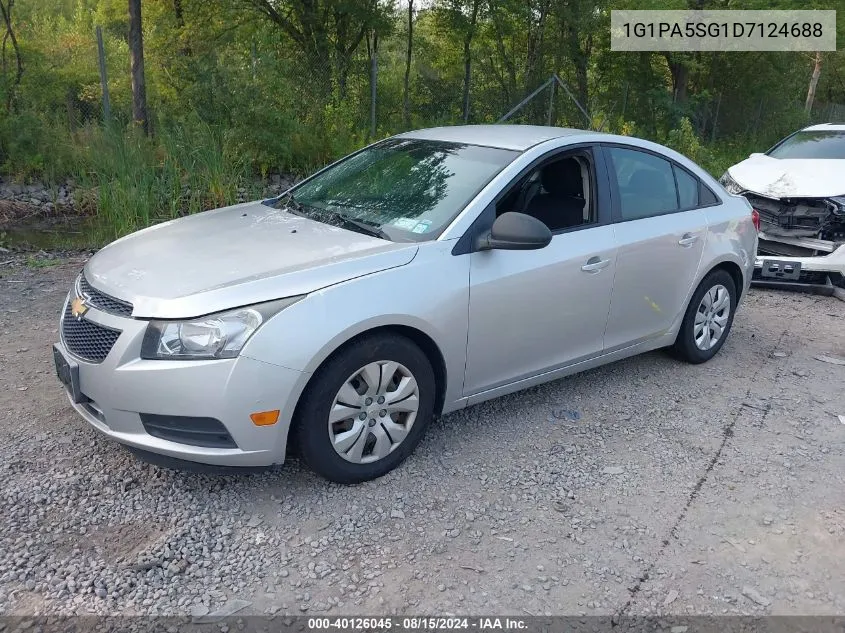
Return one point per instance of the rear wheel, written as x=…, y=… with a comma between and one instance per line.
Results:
x=366, y=409
x=708, y=319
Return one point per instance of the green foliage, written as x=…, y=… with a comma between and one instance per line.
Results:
x=727, y=152
x=684, y=140
x=132, y=181
x=237, y=90
x=41, y=262
x=33, y=145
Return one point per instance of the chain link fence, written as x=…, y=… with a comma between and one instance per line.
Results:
x=278, y=103
x=361, y=89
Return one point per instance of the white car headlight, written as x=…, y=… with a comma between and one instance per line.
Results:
x=731, y=185
x=839, y=202
x=220, y=335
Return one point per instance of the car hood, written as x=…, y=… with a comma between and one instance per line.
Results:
x=232, y=257
x=790, y=178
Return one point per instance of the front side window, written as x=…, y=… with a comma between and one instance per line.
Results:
x=401, y=189
x=819, y=144
x=558, y=192
x=646, y=183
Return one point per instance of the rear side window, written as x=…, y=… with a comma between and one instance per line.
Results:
x=687, y=188
x=646, y=183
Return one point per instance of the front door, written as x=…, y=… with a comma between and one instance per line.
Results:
x=533, y=311
x=536, y=311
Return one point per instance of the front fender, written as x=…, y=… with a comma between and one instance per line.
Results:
x=430, y=294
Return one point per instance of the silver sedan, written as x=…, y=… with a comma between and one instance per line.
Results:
x=420, y=275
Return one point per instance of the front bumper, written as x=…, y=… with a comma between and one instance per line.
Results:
x=820, y=274
x=123, y=387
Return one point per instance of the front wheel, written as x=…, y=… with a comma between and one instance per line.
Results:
x=708, y=319
x=366, y=409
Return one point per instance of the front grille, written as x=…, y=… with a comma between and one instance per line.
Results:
x=206, y=432
x=102, y=301
x=86, y=339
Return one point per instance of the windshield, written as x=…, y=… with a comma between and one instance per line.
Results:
x=401, y=189
x=821, y=144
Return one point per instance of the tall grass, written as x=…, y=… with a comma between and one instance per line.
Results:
x=131, y=181
x=209, y=170
x=127, y=181
x=118, y=180
x=35, y=146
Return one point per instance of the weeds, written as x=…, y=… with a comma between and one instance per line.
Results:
x=42, y=262
x=130, y=181
x=126, y=181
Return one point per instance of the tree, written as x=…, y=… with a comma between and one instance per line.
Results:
x=535, y=70
x=470, y=32
x=406, y=100
x=578, y=24
x=814, y=82
x=9, y=36
x=372, y=53
x=136, y=61
x=504, y=27
x=461, y=16
x=328, y=32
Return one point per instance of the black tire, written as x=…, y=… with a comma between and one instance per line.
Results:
x=685, y=347
x=311, y=425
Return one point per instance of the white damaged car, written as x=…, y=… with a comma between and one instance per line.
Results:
x=797, y=189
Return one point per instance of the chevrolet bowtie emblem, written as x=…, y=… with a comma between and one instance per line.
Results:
x=78, y=307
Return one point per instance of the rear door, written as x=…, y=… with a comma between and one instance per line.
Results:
x=659, y=230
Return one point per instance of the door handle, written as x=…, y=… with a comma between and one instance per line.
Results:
x=688, y=239
x=595, y=264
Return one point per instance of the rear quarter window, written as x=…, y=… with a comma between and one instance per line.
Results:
x=687, y=188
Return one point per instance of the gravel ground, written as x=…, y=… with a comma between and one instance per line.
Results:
x=644, y=487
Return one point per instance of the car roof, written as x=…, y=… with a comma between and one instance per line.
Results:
x=505, y=136
x=825, y=127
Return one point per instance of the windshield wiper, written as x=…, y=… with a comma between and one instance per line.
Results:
x=361, y=226
x=291, y=203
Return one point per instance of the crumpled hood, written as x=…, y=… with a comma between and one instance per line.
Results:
x=232, y=257
x=790, y=178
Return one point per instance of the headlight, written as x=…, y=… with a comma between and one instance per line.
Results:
x=839, y=205
x=220, y=335
x=731, y=185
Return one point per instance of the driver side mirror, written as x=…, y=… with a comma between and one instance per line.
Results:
x=514, y=231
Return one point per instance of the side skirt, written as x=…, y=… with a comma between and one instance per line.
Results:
x=626, y=352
